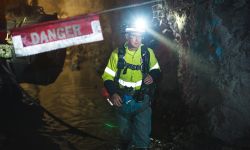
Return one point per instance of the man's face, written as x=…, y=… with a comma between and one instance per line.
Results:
x=134, y=40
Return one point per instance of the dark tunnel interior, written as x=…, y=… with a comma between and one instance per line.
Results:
x=53, y=99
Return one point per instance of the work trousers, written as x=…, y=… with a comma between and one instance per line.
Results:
x=134, y=125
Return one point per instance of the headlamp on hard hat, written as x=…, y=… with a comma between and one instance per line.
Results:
x=139, y=25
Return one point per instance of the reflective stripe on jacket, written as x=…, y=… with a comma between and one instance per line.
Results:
x=132, y=78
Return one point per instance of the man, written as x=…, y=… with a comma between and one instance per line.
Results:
x=131, y=71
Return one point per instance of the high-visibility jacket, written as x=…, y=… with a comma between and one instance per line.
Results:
x=132, y=78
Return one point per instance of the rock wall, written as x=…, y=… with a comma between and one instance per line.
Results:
x=213, y=72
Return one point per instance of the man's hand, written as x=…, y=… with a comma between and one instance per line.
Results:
x=148, y=80
x=116, y=100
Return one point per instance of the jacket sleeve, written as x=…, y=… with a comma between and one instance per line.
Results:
x=110, y=72
x=154, y=68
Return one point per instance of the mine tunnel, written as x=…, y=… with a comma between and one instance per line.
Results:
x=53, y=97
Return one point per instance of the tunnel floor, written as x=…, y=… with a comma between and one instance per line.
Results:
x=78, y=117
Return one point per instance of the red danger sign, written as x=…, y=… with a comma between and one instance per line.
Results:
x=57, y=34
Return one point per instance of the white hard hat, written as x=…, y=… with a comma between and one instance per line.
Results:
x=138, y=26
x=140, y=30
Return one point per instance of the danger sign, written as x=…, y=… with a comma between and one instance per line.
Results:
x=57, y=34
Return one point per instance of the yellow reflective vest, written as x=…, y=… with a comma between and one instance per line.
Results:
x=132, y=78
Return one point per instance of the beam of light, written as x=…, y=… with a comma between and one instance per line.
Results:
x=164, y=40
x=195, y=60
x=126, y=7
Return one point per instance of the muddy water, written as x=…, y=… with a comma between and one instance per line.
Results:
x=76, y=99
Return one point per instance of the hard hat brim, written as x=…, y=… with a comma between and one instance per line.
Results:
x=135, y=30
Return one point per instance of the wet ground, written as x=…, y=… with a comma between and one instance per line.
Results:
x=88, y=121
x=71, y=114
